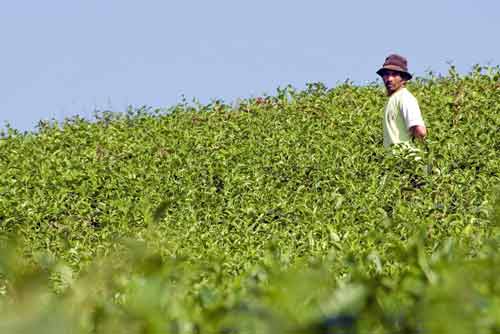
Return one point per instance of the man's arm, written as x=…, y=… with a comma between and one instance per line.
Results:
x=418, y=131
x=413, y=117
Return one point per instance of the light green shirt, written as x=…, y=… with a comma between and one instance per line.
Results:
x=401, y=113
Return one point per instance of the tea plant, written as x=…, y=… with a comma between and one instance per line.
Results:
x=283, y=215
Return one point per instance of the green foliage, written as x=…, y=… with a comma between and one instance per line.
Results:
x=282, y=215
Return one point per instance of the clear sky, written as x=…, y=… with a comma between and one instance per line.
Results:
x=64, y=58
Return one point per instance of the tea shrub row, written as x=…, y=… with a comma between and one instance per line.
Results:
x=285, y=214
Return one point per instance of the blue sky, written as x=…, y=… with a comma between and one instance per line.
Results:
x=64, y=58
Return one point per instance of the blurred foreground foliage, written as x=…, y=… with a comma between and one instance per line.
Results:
x=283, y=214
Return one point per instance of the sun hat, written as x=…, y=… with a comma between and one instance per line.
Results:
x=397, y=63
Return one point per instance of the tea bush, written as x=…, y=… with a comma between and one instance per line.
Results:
x=284, y=214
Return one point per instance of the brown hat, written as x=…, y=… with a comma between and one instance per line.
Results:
x=395, y=62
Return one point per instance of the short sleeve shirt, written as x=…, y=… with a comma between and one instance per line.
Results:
x=401, y=113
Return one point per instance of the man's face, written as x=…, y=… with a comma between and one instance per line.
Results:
x=392, y=81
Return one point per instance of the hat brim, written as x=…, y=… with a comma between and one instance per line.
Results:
x=394, y=68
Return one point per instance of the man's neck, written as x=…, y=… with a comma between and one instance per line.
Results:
x=397, y=90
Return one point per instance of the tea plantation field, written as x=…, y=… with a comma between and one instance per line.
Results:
x=283, y=215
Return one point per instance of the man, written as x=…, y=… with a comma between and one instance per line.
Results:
x=402, y=117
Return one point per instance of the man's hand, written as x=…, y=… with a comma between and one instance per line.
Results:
x=418, y=131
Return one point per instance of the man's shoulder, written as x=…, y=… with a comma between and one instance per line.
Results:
x=404, y=95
